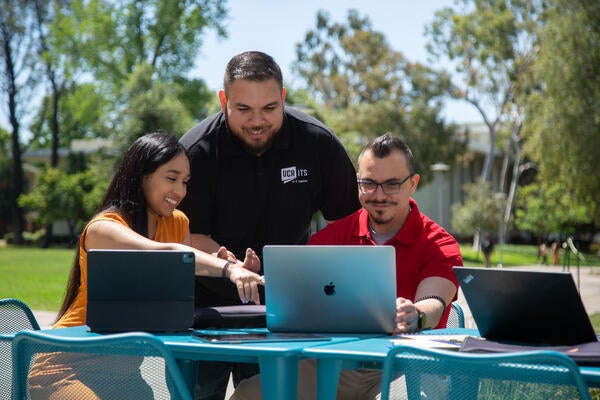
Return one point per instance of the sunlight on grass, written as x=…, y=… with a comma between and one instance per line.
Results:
x=516, y=255
x=36, y=276
x=512, y=255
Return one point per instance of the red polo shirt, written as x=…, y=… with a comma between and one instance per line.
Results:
x=423, y=249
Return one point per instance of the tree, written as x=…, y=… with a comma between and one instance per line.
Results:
x=17, y=82
x=196, y=97
x=58, y=196
x=368, y=89
x=151, y=105
x=547, y=208
x=116, y=37
x=480, y=211
x=87, y=51
x=5, y=182
x=564, y=133
x=116, y=40
x=346, y=64
x=491, y=44
x=57, y=68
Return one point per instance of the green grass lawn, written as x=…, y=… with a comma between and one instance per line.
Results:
x=515, y=255
x=36, y=276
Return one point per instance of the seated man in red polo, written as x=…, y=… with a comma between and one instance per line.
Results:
x=425, y=255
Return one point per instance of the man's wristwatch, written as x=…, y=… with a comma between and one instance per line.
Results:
x=422, y=321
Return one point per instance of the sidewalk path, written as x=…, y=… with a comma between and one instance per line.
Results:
x=45, y=318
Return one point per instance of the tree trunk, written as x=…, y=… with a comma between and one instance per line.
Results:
x=18, y=221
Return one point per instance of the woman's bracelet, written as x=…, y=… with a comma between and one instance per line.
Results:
x=224, y=270
x=438, y=298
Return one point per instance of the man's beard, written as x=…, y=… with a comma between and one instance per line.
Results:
x=252, y=147
x=379, y=217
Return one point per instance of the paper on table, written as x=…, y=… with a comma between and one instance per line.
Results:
x=431, y=341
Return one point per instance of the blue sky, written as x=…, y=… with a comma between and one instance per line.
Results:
x=276, y=26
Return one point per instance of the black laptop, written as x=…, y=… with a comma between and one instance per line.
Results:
x=140, y=290
x=526, y=307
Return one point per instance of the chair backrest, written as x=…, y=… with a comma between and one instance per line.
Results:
x=15, y=316
x=453, y=375
x=107, y=367
x=456, y=318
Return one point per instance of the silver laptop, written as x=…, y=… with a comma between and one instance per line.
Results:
x=140, y=290
x=526, y=307
x=333, y=289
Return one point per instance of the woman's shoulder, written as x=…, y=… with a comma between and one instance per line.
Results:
x=178, y=221
x=179, y=215
x=108, y=215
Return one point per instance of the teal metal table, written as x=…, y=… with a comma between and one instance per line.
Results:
x=278, y=361
x=370, y=353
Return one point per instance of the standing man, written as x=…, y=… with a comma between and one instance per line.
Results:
x=260, y=171
x=425, y=255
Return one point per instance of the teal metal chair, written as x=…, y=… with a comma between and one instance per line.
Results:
x=133, y=365
x=430, y=373
x=456, y=318
x=15, y=316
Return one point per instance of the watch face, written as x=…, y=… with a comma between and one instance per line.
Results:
x=422, y=320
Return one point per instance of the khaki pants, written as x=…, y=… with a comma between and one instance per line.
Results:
x=67, y=376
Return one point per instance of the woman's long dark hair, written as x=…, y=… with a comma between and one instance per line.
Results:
x=125, y=194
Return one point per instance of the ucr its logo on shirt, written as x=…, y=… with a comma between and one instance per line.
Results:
x=291, y=174
x=288, y=174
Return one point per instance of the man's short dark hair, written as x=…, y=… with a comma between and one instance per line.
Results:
x=383, y=145
x=253, y=66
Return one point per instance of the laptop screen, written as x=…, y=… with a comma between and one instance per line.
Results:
x=526, y=307
x=347, y=289
x=145, y=290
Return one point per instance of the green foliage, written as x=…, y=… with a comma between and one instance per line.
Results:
x=115, y=39
x=368, y=89
x=5, y=183
x=81, y=110
x=564, y=124
x=196, y=97
x=151, y=105
x=349, y=63
x=481, y=210
x=547, y=208
x=107, y=45
x=491, y=46
x=58, y=196
x=88, y=58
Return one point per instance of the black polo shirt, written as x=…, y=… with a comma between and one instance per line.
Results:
x=242, y=200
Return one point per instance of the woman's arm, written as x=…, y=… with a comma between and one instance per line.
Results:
x=106, y=234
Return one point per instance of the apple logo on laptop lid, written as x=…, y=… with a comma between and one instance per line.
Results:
x=329, y=289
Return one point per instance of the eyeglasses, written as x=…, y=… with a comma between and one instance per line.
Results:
x=368, y=186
